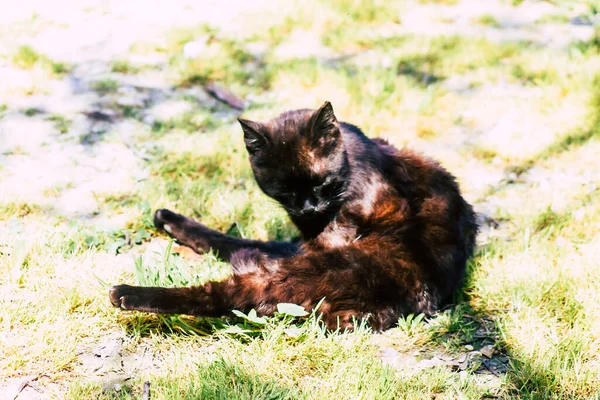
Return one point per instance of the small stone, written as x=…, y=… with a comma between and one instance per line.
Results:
x=469, y=347
x=581, y=21
x=487, y=351
x=474, y=355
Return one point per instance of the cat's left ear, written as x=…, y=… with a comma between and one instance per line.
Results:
x=324, y=127
x=253, y=135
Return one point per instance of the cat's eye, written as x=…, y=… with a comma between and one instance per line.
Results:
x=323, y=183
x=318, y=188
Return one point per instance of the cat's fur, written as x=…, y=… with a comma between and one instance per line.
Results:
x=385, y=232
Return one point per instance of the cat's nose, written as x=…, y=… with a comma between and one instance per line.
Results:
x=309, y=211
x=308, y=208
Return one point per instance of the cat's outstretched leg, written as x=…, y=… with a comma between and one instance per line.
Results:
x=215, y=299
x=201, y=238
x=261, y=283
x=206, y=300
x=247, y=288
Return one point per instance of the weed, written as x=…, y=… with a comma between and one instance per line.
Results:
x=445, y=2
x=123, y=67
x=105, y=86
x=32, y=112
x=17, y=210
x=26, y=57
x=61, y=123
x=488, y=20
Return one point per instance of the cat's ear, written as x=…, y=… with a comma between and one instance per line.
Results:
x=253, y=135
x=324, y=127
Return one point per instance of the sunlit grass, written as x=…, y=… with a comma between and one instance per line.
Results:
x=27, y=58
x=523, y=112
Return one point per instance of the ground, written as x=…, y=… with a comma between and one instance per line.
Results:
x=105, y=116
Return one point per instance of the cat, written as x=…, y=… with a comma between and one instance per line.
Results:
x=384, y=232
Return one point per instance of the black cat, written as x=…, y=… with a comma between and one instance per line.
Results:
x=385, y=232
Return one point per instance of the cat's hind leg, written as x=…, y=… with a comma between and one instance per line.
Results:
x=213, y=299
x=202, y=239
x=208, y=300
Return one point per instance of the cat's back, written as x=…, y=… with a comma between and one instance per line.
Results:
x=384, y=174
x=401, y=193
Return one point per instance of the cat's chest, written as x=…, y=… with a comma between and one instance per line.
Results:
x=336, y=234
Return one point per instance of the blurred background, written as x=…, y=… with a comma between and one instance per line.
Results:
x=111, y=109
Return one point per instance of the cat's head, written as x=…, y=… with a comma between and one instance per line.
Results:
x=299, y=160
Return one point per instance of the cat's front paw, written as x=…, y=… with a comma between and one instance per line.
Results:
x=164, y=219
x=123, y=296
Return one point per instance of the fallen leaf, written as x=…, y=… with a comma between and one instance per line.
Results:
x=291, y=309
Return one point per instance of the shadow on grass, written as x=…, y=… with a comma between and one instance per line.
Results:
x=421, y=69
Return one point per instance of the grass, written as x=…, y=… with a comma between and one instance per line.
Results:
x=488, y=20
x=553, y=19
x=27, y=58
x=31, y=112
x=104, y=86
x=17, y=210
x=191, y=122
x=443, y=2
x=367, y=11
x=123, y=67
x=61, y=123
x=533, y=287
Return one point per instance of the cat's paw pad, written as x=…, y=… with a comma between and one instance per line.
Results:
x=163, y=219
x=121, y=296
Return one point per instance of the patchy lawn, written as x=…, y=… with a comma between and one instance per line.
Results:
x=99, y=127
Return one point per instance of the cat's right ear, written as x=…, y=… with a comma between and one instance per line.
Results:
x=253, y=135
